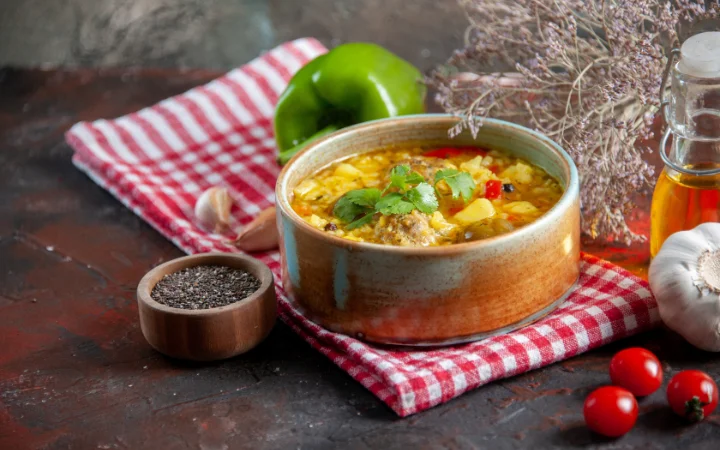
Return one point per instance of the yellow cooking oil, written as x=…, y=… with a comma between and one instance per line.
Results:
x=682, y=202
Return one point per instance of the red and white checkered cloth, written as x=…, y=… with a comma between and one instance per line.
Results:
x=157, y=162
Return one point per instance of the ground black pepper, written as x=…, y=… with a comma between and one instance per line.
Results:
x=204, y=287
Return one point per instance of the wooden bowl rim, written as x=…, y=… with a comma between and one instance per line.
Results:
x=252, y=265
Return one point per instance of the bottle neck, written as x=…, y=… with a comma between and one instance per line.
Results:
x=694, y=108
x=694, y=154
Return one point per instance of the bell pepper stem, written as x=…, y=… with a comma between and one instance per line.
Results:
x=285, y=156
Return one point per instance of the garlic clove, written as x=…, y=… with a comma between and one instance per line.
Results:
x=685, y=279
x=259, y=235
x=212, y=209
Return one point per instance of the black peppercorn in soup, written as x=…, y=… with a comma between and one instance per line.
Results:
x=418, y=197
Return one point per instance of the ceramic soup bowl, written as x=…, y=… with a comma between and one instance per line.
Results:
x=433, y=295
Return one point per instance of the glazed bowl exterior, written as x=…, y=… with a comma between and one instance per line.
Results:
x=432, y=295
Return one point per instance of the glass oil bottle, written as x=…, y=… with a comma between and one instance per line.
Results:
x=688, y=189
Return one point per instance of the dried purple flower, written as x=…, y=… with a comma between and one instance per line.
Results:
x=588, y=75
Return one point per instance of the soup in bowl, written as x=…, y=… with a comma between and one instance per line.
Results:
x=416, y=197
x=392, y=232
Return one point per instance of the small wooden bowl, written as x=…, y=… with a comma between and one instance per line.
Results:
x=208, y=334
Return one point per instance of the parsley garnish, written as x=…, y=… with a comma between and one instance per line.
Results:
x=394, y=203
x=360, y=202
x=400, y=177
x=423, y=197
x=461, y=183
x=410, y=191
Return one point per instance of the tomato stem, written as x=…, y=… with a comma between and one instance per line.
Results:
x=694, y=409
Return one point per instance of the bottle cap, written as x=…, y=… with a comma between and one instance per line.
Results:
x=700, y=55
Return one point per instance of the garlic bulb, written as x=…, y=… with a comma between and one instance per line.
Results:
x=212, y=209
x=685, y=278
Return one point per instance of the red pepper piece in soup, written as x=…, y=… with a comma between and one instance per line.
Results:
x=493, y=189
x=450, y=152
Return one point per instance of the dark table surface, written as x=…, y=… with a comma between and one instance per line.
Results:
x=75, y=371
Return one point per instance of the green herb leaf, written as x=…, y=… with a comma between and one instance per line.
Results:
x=401, y=177
x=414, y=178
x=355, y=203
x=364, y=203
x=367, y=218
x=445, y=173
x=423, y=197
x=346, y=210
x=394, y=203
x=461, y=183
x=364, y=197
x=400, y=170
x=398, y=176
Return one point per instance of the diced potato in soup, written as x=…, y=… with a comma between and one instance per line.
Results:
x=425, y=197
x=476, y=211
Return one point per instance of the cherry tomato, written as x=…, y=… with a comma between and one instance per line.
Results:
x=692, y=394
x=493, y=189
x=610, y=411
x=637, y=370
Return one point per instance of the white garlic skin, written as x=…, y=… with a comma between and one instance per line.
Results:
x=212, y=209
x=687, y=304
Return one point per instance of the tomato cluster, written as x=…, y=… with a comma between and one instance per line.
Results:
x=635, y=372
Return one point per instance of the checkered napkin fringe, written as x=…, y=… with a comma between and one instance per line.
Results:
x=157, y=162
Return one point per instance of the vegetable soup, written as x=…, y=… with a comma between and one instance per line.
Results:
x=418, y=197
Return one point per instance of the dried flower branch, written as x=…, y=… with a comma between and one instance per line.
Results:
x=587, y=73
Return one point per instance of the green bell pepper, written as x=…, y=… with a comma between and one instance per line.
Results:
x=352, y=83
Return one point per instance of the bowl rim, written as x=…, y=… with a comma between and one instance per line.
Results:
x=572, y=191
x=144, y=290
